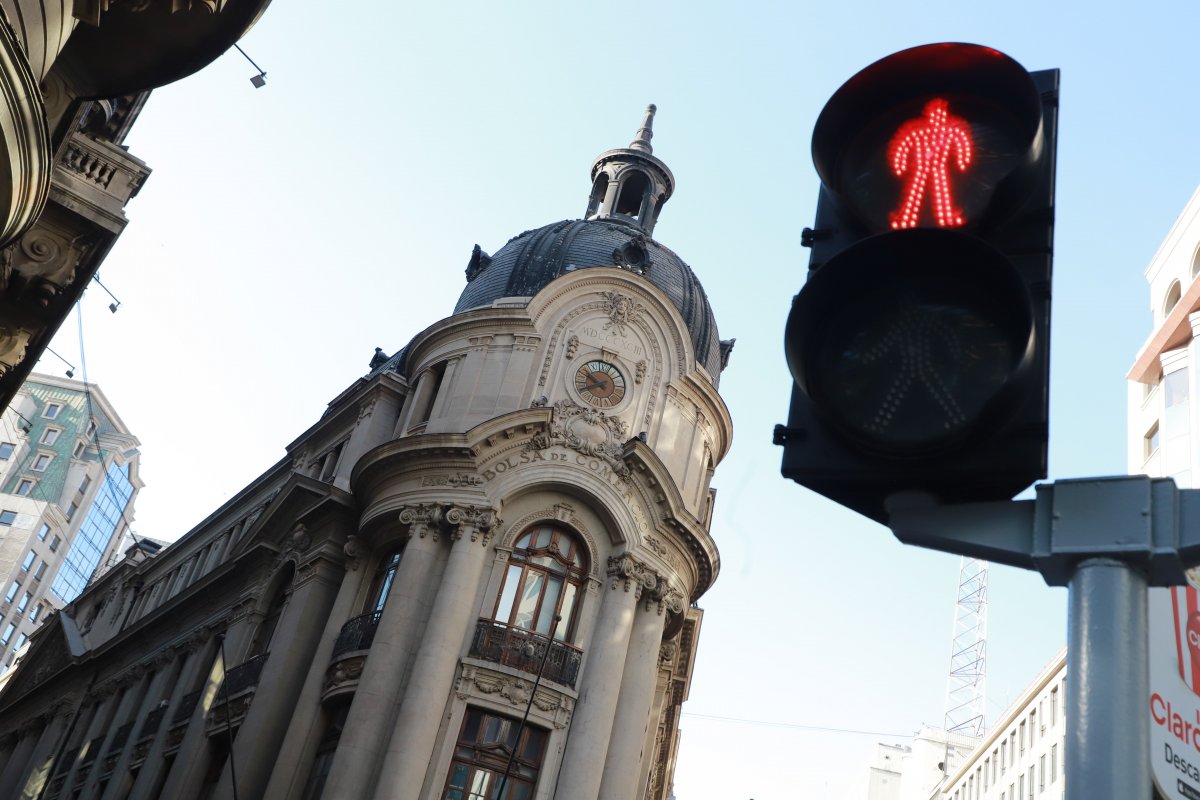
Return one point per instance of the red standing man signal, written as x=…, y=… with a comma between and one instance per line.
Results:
x=922, y=148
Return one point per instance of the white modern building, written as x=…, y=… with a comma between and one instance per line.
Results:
x=915, y=771
x=1021, y=758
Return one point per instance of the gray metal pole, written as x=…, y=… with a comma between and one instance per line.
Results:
x=1108, y=679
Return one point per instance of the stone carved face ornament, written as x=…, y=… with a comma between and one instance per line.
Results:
x=622, y=311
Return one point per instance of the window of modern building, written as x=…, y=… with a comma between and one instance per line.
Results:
x=41, y=461
x=85, y=483
x=6, y=450
x=50, y=436
x=485, y=745
x=8, y=632
x=40, y=572
x=91, y=428
x=42, y=531
x=37, y=612
x=1054, y=706
x=27, y=562
x=80, y=446
x=21, y=640
x=544, y=578
x=8, y=517
x=1003, y=757
x=13, y=588
x=25, y=487
x=51, y=411
x=54, y=543
x=1022, y=727
x=25, y=598
x=70, y=512
x=98, y=527
x=1053, y=763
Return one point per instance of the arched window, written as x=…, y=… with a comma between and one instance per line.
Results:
x=385, y=575
x=633, y=191
x=1174, y=292
x=545, y=575
x=599, y=190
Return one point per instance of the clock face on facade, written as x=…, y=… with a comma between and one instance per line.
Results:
x=600, y=384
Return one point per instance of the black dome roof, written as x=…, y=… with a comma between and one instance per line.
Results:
x=530, y=261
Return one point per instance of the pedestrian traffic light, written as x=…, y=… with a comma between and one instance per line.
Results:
x=919, y=344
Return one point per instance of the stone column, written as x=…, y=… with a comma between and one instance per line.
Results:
x=119, y=785
x=412, y=742
x=192, y=758
x=291, y=766
x=373, y=710
x=18, y=763
x=626, y=762
x=42, y=762
x=130, y=699
x=290, y=660
x=6, y=751
x=582, y=767
x=198, y=659
x=91, y=730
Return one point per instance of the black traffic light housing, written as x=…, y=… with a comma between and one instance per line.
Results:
x=920, y=343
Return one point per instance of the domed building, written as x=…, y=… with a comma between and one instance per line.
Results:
x=475, y=576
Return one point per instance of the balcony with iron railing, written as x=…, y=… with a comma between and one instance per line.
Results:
x=350, y=654
x=525, y=650
x=357, y=634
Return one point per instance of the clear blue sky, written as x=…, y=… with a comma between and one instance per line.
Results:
x=288, y=231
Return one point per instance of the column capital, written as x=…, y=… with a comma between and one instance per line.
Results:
x=422, y=519
x=471, y=522
x=625, y=571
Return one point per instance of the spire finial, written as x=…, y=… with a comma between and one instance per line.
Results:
x=641, y=140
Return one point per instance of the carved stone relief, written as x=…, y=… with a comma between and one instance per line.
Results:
x=586, y=430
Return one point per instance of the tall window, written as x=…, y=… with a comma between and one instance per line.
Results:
x=385, y=575
x=484, y=746
x=544, y=577
x=101, y=524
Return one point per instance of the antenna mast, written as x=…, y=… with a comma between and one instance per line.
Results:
x=966, y=685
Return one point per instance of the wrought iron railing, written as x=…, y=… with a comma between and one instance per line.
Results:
x=524, y=650
x=357, y=634
x=242, y=677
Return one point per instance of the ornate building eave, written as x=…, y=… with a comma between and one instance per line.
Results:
x=131, y=47
x=25, y=159
x=643, y=461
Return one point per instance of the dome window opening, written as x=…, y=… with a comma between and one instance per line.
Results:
x=599, y=192
x=634, y=189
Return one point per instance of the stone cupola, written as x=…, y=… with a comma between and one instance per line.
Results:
x=630, y=184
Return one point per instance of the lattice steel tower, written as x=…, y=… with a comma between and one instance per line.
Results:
x=965, y=688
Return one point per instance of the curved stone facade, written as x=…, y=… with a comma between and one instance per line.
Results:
x=510, y=520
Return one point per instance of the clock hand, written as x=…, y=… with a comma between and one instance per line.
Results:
x=596, y=385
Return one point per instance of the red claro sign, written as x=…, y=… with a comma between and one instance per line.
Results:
x=1174, y=702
